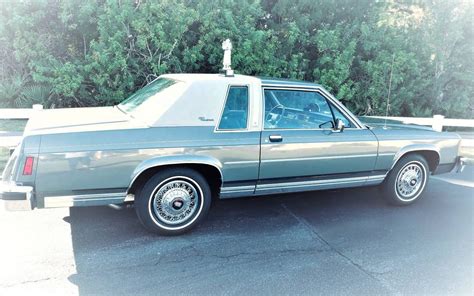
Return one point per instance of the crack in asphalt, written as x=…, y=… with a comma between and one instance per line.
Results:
x=317, y=236
x=194, y=253
x=26, y=282
x=229, y=257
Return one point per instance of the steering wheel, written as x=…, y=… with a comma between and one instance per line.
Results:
x=275, y=118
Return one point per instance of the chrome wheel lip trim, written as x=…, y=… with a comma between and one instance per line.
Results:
x=167, y=202
x=197, y=214
x=419, y=190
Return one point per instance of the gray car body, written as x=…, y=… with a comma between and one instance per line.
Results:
x=96, y=156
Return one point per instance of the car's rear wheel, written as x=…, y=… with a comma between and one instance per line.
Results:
x=173, y=201
x=407, y=181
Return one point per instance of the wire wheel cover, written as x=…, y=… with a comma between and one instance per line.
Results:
x=175, y=202
x=410, y=180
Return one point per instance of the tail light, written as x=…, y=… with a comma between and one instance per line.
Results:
x=28, y=168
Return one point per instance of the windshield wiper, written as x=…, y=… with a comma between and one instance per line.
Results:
x=124, y=112
x=117, y=106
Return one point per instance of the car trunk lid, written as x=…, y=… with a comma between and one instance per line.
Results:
x=76, y=120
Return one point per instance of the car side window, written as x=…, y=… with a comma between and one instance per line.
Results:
x=296, y=109
x=235, y=114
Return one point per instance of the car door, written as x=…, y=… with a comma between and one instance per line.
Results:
x=301, y=150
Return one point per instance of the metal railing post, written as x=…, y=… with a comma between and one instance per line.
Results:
x=37, y=107
x=438, y=122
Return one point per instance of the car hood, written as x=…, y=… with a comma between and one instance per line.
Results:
x=78, y=120
x=377, y=123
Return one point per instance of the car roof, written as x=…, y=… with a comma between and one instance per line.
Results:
x=200, y=87
x=265, y=81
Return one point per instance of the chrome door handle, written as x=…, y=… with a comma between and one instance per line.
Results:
x=275, y=138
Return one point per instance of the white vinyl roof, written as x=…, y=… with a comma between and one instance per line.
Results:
x=197, y=101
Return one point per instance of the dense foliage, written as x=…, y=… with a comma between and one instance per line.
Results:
x=88, y=52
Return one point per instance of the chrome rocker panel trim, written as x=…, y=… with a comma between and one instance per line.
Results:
x=318, y=185
x=290, y=187
x=226, y=192
x=83, y=200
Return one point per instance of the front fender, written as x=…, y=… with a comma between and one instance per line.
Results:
x=174, y=160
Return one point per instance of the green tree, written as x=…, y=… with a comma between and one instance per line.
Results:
x=86, y=53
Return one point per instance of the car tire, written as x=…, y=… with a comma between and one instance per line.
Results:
x=173, y=201
x=407, y=180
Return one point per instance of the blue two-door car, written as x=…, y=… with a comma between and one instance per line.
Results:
x=185, y=138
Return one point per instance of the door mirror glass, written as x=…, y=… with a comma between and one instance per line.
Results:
x=340, y=125
x=338, y=116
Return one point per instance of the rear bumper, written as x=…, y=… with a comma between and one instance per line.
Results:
x=15, y=197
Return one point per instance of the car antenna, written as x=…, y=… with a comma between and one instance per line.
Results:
x=226, y=62
x=389, y=91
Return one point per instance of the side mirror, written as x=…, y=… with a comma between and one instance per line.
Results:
x=340, y=125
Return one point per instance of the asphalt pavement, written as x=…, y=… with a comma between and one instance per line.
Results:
x=339, y=242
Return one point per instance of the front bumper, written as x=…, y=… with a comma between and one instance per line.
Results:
x=15, y=197
x=460, y=164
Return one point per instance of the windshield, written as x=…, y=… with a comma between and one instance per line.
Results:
x=152, y=92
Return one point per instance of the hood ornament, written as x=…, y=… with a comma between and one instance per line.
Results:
x=226, y=62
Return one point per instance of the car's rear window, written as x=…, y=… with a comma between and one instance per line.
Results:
x=153, y=92
x=235, y=112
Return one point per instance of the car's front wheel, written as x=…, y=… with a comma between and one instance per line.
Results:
x=407, y=180
x=173, y=201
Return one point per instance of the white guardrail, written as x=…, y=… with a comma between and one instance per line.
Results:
x=437, y=122
x=19, y=113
